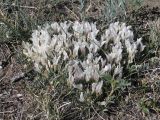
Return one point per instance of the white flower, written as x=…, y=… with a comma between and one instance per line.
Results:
x=105, y=38
x=55, y=26
x=77, y=72
x=94, y=47
x=114, y=28
x=94, y=28
x=99, y=87
x=54, y=41
x=94, y=87
x=81, y=99
x=139, y=43
x=118, y=71
x=91, y=68
x=89, y=59
x=64, y=27
x=56, y=60
x=78, y=86
x=70, y=80
x=78, y=29
x=103, y=62
x=94, y=32
x=89, y=73
x=27, y=49
x=75, y=50
x=65, y=55
x=118, y=56
x=132, y=50
x=111, y=57
x=37, y=67
x=86, y=27
x=106, y=69
x=83, y=48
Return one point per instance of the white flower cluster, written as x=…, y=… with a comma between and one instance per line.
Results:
x=86, y=56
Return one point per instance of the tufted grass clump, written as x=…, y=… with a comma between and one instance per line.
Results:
x=114, y=9
x=154, y=36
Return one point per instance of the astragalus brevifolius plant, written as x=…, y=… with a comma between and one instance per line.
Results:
x=75, y=48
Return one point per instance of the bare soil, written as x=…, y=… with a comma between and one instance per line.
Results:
x=152, y=3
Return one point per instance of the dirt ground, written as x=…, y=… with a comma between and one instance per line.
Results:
x=17, y=104
x=152, y=3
